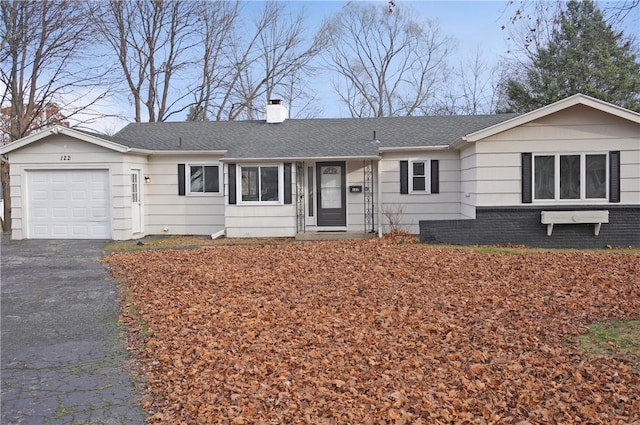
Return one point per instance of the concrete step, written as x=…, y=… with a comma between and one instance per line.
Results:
x=333, y=236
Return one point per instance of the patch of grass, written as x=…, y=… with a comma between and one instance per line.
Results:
x=185, y=242
x=522, y=250
x=613, y=337
x=136, y=322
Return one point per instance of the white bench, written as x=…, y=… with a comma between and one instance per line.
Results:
x=596, y=217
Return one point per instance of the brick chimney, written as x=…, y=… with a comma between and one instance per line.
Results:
x=276, y=111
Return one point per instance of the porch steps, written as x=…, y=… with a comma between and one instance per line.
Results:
x=334, y=236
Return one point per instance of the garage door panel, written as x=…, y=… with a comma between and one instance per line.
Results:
x=78, y=195
x=40, y=195
x=80, y=214
x=59, y=212
x=39, y=231
x=98, y=213
x=68, y=204
x=39, y=212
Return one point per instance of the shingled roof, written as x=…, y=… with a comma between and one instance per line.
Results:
x=304, y=138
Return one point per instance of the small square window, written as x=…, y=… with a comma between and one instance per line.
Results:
x=418, y=178
x=204, y=178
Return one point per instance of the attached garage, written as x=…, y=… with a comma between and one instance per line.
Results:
x=70, y=184
x=68, y=204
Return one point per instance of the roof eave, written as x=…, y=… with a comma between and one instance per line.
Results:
x=576, y=99
x=412, y=148
x=57, y=129
x=302, y=158
x=185, y=152
x=459, y=143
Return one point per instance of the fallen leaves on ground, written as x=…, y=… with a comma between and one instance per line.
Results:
x=376, y=332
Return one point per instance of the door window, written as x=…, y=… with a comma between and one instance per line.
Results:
x=330, y=187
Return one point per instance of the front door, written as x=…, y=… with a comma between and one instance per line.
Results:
x=332, y=198
x=136, y=210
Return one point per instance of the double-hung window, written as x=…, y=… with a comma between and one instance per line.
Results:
x=419, y=176
x=203, y=178
x=261, y=183
x=570, y=177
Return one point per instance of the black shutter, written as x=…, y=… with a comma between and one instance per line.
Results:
x=404, y=177
x=614, y=176
x=181, y=177
x=232, y=184
x=435, y=176
x=526, y=178
x=287, y=183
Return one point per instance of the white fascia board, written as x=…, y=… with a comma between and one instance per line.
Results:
x=576, y=99
x=184, y=152
x=96, y=140
x=414, y=148
x=291, y=159
x=461, y=141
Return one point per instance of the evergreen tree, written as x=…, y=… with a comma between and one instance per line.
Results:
x=197, y=113
x=584, y=55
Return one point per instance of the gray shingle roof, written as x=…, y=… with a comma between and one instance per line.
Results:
x=307, y=138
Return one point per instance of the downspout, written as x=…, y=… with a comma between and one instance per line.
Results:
x=379, y=209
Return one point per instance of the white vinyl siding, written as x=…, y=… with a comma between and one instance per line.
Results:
x=414, y=207
x=167, y=213
x=260, y=219
x=491, y=168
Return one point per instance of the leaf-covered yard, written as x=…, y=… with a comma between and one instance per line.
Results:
x=375, y=332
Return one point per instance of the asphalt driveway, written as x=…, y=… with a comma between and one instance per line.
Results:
x=63, y=358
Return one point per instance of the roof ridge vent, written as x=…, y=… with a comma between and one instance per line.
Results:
x=276, y=111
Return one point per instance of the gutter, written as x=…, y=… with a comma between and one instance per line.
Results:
x=461, y=141
x=302, y=158
x=413, y=148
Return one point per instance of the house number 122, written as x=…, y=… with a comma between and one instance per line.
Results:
x=65, y=157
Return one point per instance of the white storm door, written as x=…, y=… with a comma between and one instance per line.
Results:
x=136, y=207
x=332, y=200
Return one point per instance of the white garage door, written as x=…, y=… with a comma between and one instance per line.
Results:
x=68, y=204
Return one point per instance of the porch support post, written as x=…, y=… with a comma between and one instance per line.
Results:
x=369, y=210
x=300, y=212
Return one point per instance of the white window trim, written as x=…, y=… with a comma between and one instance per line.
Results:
x=187, y=179
x=427, y=176
x=583, y=174
x=280, y=200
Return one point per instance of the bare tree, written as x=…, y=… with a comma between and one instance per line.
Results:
x=263, y=59
x=239, y=64
x=387, y=63
x=152, y=41
x=217, y=24
x=475, y=89
x=44, y=62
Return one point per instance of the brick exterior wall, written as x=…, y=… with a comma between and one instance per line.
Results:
x=521, y=226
